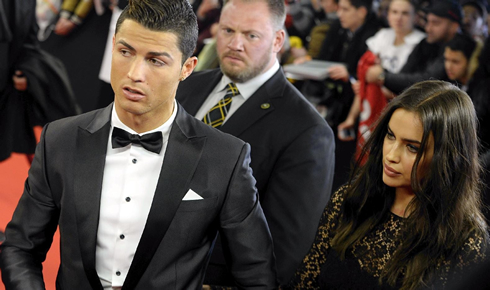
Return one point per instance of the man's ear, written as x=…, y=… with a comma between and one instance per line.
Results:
x=113, y=42
x=279, y=39
x=455, y=27
x=188, y=67
x=362, y=12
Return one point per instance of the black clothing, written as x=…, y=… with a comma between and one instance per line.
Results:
x=341, y=45
x=48, y=96
x=365, y=261
x=425, y=62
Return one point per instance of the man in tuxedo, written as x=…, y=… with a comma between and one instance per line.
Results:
x=292, y=146
x=140, y=188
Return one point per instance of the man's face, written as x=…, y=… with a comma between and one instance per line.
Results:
x=438, y=29
x=472, y=21
x=247, y=42
x=329, y=6
x=351, y=17
x=146, y=70
x=456, y=65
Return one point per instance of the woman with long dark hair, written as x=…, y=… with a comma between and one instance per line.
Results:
x=410, y=215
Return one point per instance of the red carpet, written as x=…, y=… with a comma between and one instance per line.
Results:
x=13, y=173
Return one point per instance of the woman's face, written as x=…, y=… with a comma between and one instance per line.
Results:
x=401, y=15
x=401, y=145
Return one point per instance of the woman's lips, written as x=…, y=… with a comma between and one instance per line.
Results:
x=390, y=171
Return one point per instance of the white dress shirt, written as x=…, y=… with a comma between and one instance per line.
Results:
x=130, y=178
x=246, y=89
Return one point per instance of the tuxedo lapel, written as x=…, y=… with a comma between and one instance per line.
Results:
x=181, y=158
x=205, y=85
x=89, y=168
x=257, y=106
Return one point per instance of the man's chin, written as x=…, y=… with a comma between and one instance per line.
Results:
x=234, y=73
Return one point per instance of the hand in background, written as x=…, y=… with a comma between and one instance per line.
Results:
x=345, y=130
x=302, y=59
x=373, y=73
x=20, y=81
x=338, y=72
x=64, y=27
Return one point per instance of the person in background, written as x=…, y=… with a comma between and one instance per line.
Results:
x=427, y=59
x=34, y=88
x=292, y=145
x=71, y=15
x=207, y=17
x=474, y=20
x=311, y=49
x=461, y=59
x=389, y=47
x=410, y=216
x=478, y=88
x=140, y=189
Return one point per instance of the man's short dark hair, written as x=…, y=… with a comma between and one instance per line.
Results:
x=277, y=10
x=175, y=16
x=362, y=3
x=464, y=43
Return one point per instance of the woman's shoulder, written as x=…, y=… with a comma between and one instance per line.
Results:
x=414, y=37
x=474, y=250
x=383, y=38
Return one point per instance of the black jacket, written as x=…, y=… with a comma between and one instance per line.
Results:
x=425, y=62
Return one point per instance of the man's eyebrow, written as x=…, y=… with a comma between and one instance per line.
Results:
x=126, y=44
x=151, y=53
x=166, y=54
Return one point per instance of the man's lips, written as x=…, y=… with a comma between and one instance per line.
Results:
x=390, y=171
x=133, y=94
x=233, y=57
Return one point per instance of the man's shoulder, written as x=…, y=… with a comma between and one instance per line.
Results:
x=76, y=120
x=293, y=107
x=204, y=74
x=196, y=128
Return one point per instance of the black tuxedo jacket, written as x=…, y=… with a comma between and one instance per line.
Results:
x=64, y=187
x=292, y=159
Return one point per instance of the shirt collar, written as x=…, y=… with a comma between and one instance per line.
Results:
x=164, y=128
x=248, y=88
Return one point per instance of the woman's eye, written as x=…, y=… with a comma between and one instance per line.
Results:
x=390, y=135
x=412, y=148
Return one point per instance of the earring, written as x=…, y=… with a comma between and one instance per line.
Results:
x=182, y=78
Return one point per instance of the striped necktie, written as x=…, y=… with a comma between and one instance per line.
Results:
x=217, y=114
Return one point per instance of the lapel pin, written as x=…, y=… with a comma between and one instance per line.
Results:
x=265, y=106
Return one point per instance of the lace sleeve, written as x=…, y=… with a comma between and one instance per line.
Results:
x=306, y=275
x=471, y=255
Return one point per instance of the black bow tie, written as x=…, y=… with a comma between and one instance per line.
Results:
x=152, y=142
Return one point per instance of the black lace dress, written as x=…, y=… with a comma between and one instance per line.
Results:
x=323, y=269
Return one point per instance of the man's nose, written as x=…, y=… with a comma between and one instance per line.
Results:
x=137, y=70
x=236, y=42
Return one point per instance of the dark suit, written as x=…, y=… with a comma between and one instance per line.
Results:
x=64, y=187
x=292, y=159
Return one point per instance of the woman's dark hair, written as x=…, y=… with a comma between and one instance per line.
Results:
x=446, y=208
x=175, y=16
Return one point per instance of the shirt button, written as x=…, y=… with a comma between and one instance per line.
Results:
x=118, y=273
x=122, y=237
x=134, y=161
x=128, y=199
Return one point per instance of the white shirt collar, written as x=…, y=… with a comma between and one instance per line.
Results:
x=248, y=88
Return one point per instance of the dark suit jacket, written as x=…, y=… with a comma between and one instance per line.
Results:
x=64, y=187
x=292, y=159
